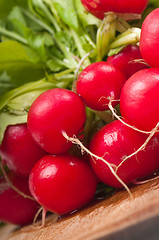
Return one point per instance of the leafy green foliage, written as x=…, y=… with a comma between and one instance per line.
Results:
x=16, y=63
x=6, y=6
x=42, y=44
x=67, y=12
x=21, y=104
x=85, y=18
x=154, y=3
x=115, y=51
x=5, y=83
x=10, y=119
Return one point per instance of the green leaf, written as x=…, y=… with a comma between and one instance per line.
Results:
x=59, y=80
x=38, y=44
x=54, y=65
x=17, y=14
x=48, y=39
x=5, y=8
x=66, y=39
x=16, y=62
x=115, y=51
x=67, y=12
x=34, y=40
x=86, y=18
x=5, y=83
x=7, y=5
x=19, y=105
x=10, y=119
x=155, y=3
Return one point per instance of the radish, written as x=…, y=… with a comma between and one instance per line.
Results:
x=129, y=60
x=100, y=7
x=114, y=142
x=98, y=83
x=53, y=112
x=63, y=183
x=18, y=149
x=149, y=44
x=139, y=99
x=14, y=208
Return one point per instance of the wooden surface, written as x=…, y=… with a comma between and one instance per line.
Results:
x=114, y=214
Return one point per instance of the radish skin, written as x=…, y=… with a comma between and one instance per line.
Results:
x=149, y=44
x=129, y=60
x=100, y=7
x=14, y=208
x=139, y=99
x=98, y=83
x=62, y=183
x=18, y=149
x=54, y=111
x=114, y=142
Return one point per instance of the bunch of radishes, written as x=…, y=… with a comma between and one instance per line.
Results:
x=120, y=153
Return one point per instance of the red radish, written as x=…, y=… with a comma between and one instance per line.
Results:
x=94, y=7
x=114, y=142
x=14, y=208
x=99, y=7
x=139, y=99
x=62, y=183
x=53, y=112
x=126, y=60
x=19, y=150
x=98, y=82
x=149, y=44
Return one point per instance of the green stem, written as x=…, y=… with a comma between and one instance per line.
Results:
x=106, y=116
x=71, y=62
x=81, y=51
x=67, y=54
x=23, y=89
x=131, y=36
x=89, y=40
x=60, y=74
x=38, y=21
x=54, y=12
x=105, y=35
x=88, y=124
x=61, y=62
x=49, y=15
x=61, y=80
x=122, y=25
x=13, y=35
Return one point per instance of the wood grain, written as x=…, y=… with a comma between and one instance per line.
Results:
x=108, y=216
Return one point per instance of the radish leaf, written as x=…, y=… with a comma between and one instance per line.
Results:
x=15, y=61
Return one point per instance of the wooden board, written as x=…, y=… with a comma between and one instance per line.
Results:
x=114, y=214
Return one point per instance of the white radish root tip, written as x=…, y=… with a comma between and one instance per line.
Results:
x=44, y=211
x=75, y=140
x=145, y=181
x=36, y=216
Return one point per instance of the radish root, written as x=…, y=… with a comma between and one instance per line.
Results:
x=145, y=181
x=151, y=134
x=75, y=140
x=36, y=215
x=120, y=119
x=77, y=70
x=142, y=146
x=11, y=184
x=44, y=211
